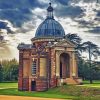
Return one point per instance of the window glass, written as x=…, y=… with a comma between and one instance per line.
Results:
x=33, y=67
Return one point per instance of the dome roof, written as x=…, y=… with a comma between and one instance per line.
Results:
x=50, y=27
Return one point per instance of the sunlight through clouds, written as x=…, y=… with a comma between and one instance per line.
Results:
x=76, y=16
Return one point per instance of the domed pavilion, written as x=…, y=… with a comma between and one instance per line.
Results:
x=50, y=60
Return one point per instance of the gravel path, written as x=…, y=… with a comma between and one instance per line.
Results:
x=5, y=97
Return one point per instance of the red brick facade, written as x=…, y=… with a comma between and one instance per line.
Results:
x=41, y=83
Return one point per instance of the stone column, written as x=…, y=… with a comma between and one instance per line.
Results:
x=73, y=65
x=30, y=72
x=57, y=65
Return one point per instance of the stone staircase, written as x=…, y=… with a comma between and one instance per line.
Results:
x=74, y=80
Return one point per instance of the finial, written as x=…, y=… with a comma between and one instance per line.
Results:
x=50, y=3
x=50, y=11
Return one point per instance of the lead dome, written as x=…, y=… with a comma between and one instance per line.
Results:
x=50, y=27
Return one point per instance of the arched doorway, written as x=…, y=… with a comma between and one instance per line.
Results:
x=64, y=65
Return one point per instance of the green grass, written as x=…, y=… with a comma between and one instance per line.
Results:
x=73, y=92
x=96, y=83
x=31, y=94
x=4, y=85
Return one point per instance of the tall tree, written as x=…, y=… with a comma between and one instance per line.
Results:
x=1, y=72
x=93, y=51
x=75, y=39
x=10, y=70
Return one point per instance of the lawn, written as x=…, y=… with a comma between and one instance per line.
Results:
x=95, y=84
x=8, y=85
x=73, y=92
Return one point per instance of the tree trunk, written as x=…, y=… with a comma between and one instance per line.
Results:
x=91, y=81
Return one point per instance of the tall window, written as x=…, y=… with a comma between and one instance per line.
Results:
x=33, y=67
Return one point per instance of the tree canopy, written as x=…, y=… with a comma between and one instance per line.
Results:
x=88, y=69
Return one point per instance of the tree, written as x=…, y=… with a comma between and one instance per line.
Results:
x=93, y=51
x=86, y=69
x=1, y=73
x=75, y=39
x=10, y=70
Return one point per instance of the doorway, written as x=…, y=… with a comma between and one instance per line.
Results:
x=60, y=69
x=64, y=65
x=33, y=85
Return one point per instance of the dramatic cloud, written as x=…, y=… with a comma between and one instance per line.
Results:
x=18, y=11
x=95, y=30
x=23, y=17
x=5, y=25
x=69, y=11
x=64, y=2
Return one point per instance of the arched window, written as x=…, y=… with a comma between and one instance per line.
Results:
x=34, y=67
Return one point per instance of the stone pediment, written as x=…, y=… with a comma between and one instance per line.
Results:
x=65, y=43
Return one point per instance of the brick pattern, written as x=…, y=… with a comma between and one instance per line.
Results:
x=41, y=85
x=51, y=80
x=25, y=84
x=20, y=81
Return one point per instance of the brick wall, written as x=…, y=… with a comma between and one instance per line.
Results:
x=41, y=85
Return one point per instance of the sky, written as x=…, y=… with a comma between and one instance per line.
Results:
x=19, y=20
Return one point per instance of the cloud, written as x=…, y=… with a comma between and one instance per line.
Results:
x=98, y=13
x=63, y=2
x=7, y=26
x=90, y=1
x=6, y=51
x=69, y=11
x=76, y=16
x=18, y=11
x=85, y=1
x=12, y=4
x=95, y=30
